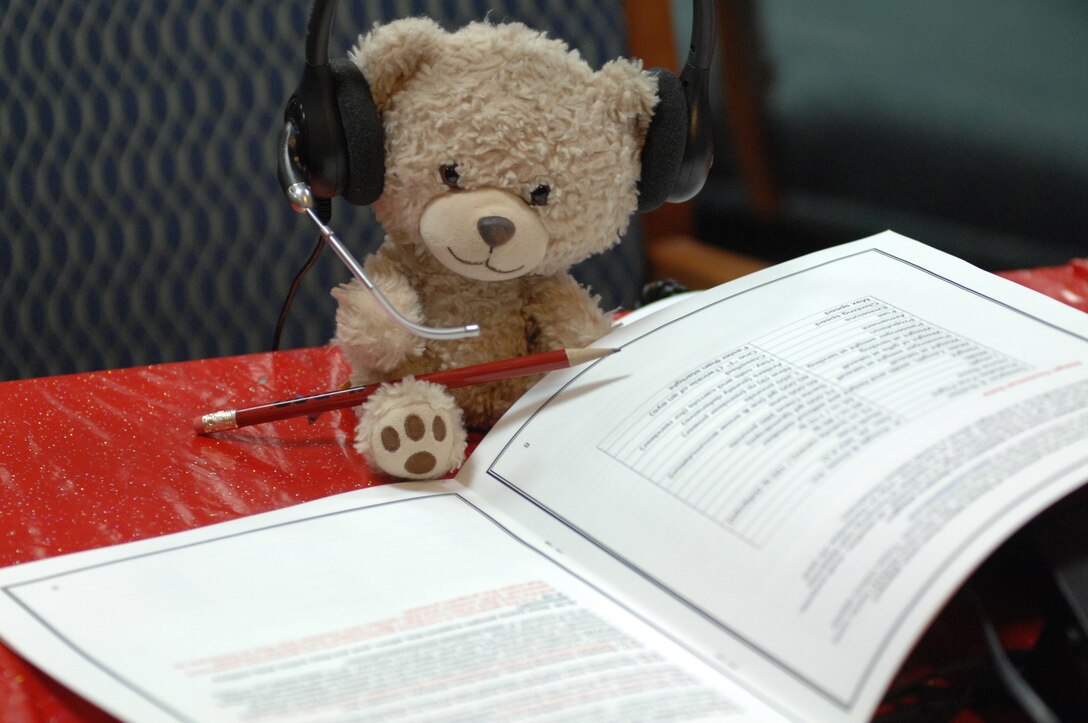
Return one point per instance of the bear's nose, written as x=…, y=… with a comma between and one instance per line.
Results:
x=495, y=230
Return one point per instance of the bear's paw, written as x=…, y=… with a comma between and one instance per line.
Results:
x=412, y=430
x=414, y=447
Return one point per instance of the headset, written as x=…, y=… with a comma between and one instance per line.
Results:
x=332, y=142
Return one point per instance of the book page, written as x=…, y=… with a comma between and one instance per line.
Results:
x=385, y=604
x=749, y=513
x=808, y=463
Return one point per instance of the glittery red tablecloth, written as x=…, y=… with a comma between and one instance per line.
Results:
x=1068, y=283
x=88, y=460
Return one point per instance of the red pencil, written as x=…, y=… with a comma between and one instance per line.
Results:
x=519, y=366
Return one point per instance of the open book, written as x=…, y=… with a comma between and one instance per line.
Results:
x=750, y=513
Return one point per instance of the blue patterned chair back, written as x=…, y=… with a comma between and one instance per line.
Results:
x=141, y=220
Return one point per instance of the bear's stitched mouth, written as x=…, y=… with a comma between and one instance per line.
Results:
x=485, y=263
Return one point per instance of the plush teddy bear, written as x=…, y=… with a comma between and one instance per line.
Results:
x=508, y=160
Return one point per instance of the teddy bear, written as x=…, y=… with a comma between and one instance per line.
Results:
x=508, y=160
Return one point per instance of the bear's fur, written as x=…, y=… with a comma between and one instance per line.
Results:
x=508, y=160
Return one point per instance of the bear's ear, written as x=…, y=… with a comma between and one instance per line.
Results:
x=630, y=91
x=391, y=54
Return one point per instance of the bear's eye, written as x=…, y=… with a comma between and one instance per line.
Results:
x=449, y=175
x=539, y=195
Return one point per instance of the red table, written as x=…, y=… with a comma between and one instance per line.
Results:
x=95, y=459
x=1068, y=283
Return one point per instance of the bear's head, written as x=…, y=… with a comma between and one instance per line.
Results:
x=506, y=154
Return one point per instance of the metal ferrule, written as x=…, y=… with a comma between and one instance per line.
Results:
x=219, y=421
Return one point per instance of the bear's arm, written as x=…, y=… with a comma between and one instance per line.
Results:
x=373, y=343
x=562, y=314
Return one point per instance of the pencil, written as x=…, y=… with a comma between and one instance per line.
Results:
x=519, y=366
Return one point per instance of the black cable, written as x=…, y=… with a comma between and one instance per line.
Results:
x=294, y=290
x=1019, y=688
x=323, y=208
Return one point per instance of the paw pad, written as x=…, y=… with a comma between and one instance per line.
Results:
x=412, y=447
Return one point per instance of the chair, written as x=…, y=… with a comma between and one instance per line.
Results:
x=141, y=220
x=959, y=123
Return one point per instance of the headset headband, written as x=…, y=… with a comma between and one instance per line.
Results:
x=320, y=149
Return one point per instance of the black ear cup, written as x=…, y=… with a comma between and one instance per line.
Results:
x=332, y=143
x=364, y=136
x=663, y=151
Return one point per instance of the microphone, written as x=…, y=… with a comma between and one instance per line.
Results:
x=302, y=200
